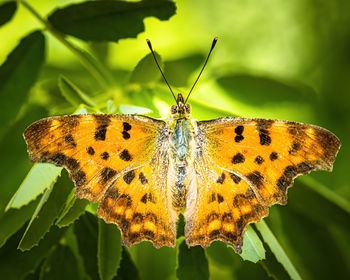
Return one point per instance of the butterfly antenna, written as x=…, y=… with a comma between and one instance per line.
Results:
x=154, y=56
x=205, y=63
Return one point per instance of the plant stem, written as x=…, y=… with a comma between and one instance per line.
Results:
x=88, y=61
x=277, y=250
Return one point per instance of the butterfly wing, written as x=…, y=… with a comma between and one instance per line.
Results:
x=118, y=160
x=246, y=165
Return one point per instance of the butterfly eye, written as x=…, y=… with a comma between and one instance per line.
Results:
x=188, y=108
x=173, y=109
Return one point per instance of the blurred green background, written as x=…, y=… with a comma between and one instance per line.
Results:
x=274, y=59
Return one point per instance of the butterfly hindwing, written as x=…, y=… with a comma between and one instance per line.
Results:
x=246, y=165
x=113, y=159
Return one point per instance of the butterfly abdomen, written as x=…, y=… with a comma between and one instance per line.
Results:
x=181, y=159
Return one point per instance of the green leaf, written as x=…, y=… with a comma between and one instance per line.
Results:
x=108, y=20
x=192, y=263
x=17, y=76
x=12, y=220
x=86, y=230
x=276, y=248
x=109, y=250
x=72, y=210
x=46, y=213
x=252, y=249
x=146, y=70
x=7, y=10
x=154, y=263
x=60, y=264
x=15, y=165
x=127, y=269
x=179, y=71
x=73, y=94
x=38, y=179
x=15, y=264
x=130, y=109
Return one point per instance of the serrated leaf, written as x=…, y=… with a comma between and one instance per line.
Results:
x=72, y=210
x=192, y=263
x=47, y=211
x=127, y=269
x=146, y=70
x=60, y=264
x=12, y=220
x=86, y=231
x=277, y=250
x=109, y=250
x=73, y=94
x=16, y=265
x=17, y=76
x=7, y=11
x=14, y=148
x=108, y=20
x=38, y=179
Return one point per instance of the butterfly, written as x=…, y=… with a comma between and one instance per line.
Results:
x=144, y=172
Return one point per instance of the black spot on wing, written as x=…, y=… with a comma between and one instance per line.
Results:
x=124, y=155
x=126, y=126
x=221, y=178
x=79, y=178
x=265, y=139
x=129, y=176
x=259, y=160
x=69, y=138
x=238, y=138
x=238, y=158
x=212, y=198
x=256, y=179
x=100, y=134
x=236, y=179
x=90, y=151
x=295, y=147
x=58, y=158
x=144, y=198
x=125, y=135
x=220, y=198
x=273, y=156
x=72, y=164
x=107, y=174
x=239, y=130
x=143, y=179
x=104, y=155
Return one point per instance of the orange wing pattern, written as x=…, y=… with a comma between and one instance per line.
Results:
x=112, y=159
x=246, y=165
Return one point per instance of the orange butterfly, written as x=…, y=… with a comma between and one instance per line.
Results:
x=143, y=171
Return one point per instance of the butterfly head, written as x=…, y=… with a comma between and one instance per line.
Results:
x=180, y=109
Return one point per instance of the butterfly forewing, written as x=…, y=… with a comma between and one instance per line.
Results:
x=112, y=158
x=246, y=165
